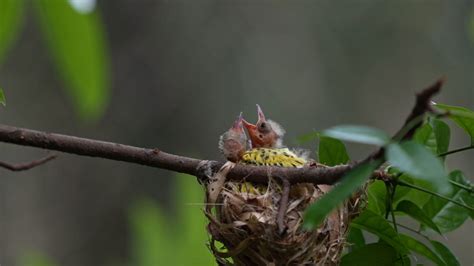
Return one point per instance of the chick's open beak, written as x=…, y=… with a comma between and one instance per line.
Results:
x=249, y=126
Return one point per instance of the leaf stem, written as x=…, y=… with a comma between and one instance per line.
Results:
x=393, y=219
x=411, y=230
x=456, y=151
x=468, y=188
x=387, y=200
x=403, y=183
x=391, y=193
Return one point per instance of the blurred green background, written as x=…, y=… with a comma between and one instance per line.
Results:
x=173, y=75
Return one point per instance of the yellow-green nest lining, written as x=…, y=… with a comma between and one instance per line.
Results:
x=244, y=221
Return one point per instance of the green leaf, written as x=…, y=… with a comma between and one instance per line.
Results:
x=416, y=213
x=418, y=162
x=425, y=136
x=3, y=101
x=316, y=213
x=77, y=42
x=405, y=193
x=434, y=135
x=376, y=224
x=11, y=17
x=361, y=134
x=420, y=248
x=376, y=194
x=371, y=254
x=356, y=238
x=463, y=117
x=445, y=214
x=445, y=254
x=332, y=151
x=442, y=134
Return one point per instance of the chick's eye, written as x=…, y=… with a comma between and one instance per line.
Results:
x=263, y=125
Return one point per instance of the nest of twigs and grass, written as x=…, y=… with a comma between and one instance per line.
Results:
x=243, y=226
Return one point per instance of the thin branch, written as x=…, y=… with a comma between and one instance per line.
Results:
x=456, y=151
x=27, y=165
x=403, y=183
x=159, y=159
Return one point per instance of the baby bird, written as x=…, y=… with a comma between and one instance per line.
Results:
x=233, y=143
x=265, y=133
x=266, y=138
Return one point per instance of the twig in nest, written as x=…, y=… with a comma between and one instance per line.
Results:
x=283, y=205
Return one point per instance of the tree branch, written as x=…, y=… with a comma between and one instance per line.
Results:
x=159, y=159
x=27, y=165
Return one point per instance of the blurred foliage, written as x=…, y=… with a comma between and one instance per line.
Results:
x=159, y=238
x=421, y=190
x=36, y=259
x=176, y=241
x=76, y=40
x=2, y=97
x=418, y=161
x=360, y=134
x=11, y=16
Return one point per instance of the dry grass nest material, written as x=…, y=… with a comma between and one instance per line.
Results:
x=244, y=221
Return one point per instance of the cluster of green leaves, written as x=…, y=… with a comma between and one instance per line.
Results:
x=421, y=189
x=76, y=41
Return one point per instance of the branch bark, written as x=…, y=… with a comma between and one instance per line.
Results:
x=160, y=159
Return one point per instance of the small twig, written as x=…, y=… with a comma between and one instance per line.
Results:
x=27, y=165
x=422, y=105
x=283, y=205
x=402, y=183
x=456, y=151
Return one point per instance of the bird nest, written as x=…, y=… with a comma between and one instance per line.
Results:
x=243, y=226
